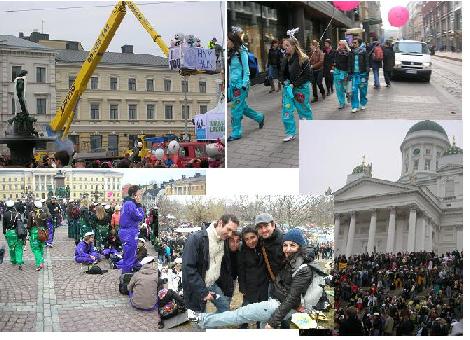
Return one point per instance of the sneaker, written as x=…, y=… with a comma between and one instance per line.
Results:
x=230, y=139
x=261, y=124
x=354, y=110
x=341, y=107
x=328, y=93
x=388, y=85
x=363, y=108
x=193, y=316
x=323, y=95
x=288, y=138
x=20, y=267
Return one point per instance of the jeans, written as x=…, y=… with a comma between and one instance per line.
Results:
x=328, y=80
x=317, y=80
x=376, y=77
x=222, y=303
x=255, y=312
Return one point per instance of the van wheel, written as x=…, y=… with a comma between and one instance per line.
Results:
x=427, y=79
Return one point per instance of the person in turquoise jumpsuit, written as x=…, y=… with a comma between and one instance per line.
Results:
x=295, y=76
x=341, y=72
x=359, y=74
x=239, y=85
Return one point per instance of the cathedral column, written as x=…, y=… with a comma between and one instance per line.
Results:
x=391, y=231
x=429, y=233
x=372, y=228
x=351, y=232
x=411, y=230
x=420, y=233
x=337, y=226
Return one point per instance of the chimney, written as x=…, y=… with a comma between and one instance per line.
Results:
x=71, y=45
x=127, y=49
x=21, y=35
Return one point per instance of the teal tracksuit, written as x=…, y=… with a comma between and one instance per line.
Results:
x=359, y=82
x=239, y=84
x=297, y=98
x=341, y=82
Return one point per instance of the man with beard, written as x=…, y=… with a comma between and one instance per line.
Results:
x=271, y=243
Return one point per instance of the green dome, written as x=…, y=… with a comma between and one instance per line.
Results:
x=427, y=125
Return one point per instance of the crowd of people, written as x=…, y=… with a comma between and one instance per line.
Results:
x=344, y=70
x=399, y=294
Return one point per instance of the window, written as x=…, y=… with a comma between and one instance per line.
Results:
x=132, y=111
x=167, y=85
x=438, y=155
x=94, y=83
x=113, y=143
x=202, y=87
x=40, y=74
x=184, y=86
x=428, y=152
x=427, y=164
x=184, y=111
x=450, y=185
x=15, y=71
x=13, y=106
x=41, y=106
x=113, y=112
x=95, y=111
x=95, y=142
x=150, y=87
x=132, y=84
x=416, y=164
x=150, y=111
x=168, y=111
x=113, y=83
x=202, y=109
x=71, y=80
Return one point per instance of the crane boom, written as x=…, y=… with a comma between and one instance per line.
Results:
x=64, y=114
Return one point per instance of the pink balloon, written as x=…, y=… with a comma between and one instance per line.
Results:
x=110, y=193
x=346, y=5
x=398, y=16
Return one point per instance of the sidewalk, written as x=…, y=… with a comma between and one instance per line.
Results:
x=456, y=56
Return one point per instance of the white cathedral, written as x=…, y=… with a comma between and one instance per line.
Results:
x=422, y=211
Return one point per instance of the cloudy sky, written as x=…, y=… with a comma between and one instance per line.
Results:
x=85, y=20
x=145, y=176
x=331, y=149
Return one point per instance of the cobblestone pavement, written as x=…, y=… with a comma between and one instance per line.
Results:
x=439, y=99
x=63, y=298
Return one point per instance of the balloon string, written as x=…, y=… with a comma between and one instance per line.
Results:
x=328, y=24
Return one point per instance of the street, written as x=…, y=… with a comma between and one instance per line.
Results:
x=439, y=99
x=64, y=298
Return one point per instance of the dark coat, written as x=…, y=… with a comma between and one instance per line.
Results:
x=195, y=266
x=363, y=62
x=274, y=57
x=273, y=246
x=8, y=219
x=329, y=60
x=228, y=272
x=389, y=59
x=294, y=72
x=253, y=279
x=341, y=60
x=287, y=289
x=351, y=327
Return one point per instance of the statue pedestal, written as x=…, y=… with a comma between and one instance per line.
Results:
x=21, y=148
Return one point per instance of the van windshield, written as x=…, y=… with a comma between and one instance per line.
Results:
x=411, y=47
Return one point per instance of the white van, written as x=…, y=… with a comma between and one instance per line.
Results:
x=412, y=59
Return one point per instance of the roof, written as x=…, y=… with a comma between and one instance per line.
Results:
x=12, y=41
x=427, y=125
x=112, y=58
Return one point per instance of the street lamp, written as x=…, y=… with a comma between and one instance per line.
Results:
x=186, y=107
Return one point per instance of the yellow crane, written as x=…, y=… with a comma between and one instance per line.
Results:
x=64, y=114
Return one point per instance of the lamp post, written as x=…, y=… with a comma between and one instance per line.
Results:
x=186, y=107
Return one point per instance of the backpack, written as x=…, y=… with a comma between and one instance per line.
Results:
x=314, y=293
x=19, y=226
x=124, y=280
x=94, y=269
x=75, y=212
x=378, y=53
x=252, y=64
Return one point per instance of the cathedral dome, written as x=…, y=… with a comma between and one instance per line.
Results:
x=427, y=125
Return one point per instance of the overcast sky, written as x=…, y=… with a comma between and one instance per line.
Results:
x=202, y=19
x=145, y=176
x=330, y=150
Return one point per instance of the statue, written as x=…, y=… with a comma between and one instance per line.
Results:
x=22, y=122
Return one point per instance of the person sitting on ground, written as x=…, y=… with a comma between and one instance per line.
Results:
x=290, y=285
x=141, y=250
x=85, y=250
x=143, y=288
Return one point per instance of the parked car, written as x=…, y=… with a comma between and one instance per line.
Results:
x=412, y=60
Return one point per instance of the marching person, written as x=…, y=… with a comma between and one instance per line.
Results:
x=132, y=214
x=274, y=64
x=328, y=62
x=239, y=84
x=291, y=284
x=388, y=63
x=341, y=72
x=376, y=56
x=15, y=243
x=359, y=73
x=316, y=64
x=37, y=222
x=295, y=76
x=85, y=251
x=202, y=265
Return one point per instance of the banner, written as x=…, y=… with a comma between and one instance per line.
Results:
x=210, y=126
x=192, y=58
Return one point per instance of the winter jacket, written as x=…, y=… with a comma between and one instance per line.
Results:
x=115, y=219
x=252, y=276
x=316, y=60
x=195, y=265
x=288, y=289
x=239, y=72
x=374, y=63
x=351, y=326
x=328, y=60
x=228, y=272
x=294, y=72
x=131, y=214
x=84, y=249
x=341, y=60
x=389, y=59
x=274, y=57
x=144, y=287
x=8, y=219
x=363, y=60
x=273, y=246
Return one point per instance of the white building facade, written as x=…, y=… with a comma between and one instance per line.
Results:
x=422, y=211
